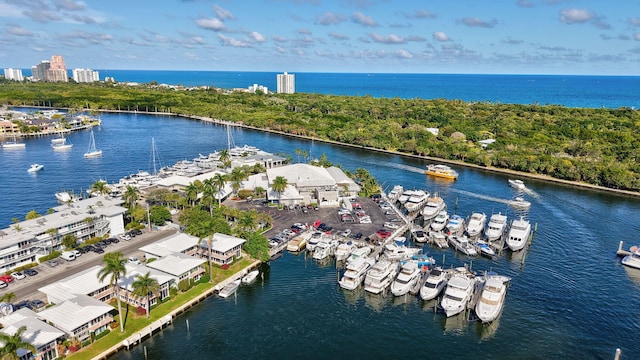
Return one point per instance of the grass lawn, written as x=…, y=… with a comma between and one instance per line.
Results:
x=134, y=323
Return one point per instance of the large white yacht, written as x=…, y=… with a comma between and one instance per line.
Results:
x=356, y=271
x=496, y=227
x=407, y=278
x=457, y=294
x=436, y=281
x=416, y=201
x=462, y=244
x=433, y=207
x=455, y=226
x=491, y=300
x=380, y=276
x=440, y=221
x=476, y=224
x=344, y=250
x=518, y=235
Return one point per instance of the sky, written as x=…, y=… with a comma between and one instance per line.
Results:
x=581, y=37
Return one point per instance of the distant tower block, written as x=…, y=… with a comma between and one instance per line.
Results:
x=286, y=83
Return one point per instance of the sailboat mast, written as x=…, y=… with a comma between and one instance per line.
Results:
x=153, y=155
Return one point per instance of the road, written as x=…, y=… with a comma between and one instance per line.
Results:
x=28, y=288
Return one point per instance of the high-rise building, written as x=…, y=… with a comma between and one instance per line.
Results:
x=58, y=70
x=13, y=74
x=85, y=75
x=39, y=72
x=286, y=83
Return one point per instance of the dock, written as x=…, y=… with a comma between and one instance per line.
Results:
x=623, y=253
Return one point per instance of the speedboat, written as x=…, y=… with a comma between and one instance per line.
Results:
x=518, y=234
x=496, y=227
x=462, y=244
x=356, y=271
x=229, y=289
x=517, y=184
x=419, y=236
x=455, y=225
x=476, y=224
x=519, y=203
x=406, y=279
x=416, y=201
x=35, y=168
x=358, y=253
x=297, y=244
x=436, y=281
x=395, y=252
x=439, y=239
x=442, y=171
x=457, y=294
x=380, y=276
x=491, y=300
x=433, y=207
x=344, y=250
x=485, y=249
x=250, y=277
x=440, y=221
x=633, y=259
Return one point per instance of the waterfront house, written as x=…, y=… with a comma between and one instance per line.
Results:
x=79, y=317
x=224, y=248
x=164, y=280
x=38, y=333
x=177, y=243
x=179, y=266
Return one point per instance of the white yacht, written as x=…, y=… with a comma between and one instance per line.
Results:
x=416, y=201
x=229, y=289
x=380, y=276
x=633, y=259
x=34, y=168
x=419, y=236
x=491, y=300
x=433, y=207
x=439, y=239
x=62, y=144
x=462, y=244
x=519, y=203
x=476, y=224
x=436, y=281
x=313, y=241
x=358, y=253
x=324, y=249
x=457, y=294
x=518, y=234
x=356, y=271
x=394, y=194
x=485, y=248
x=407, y=278
x=455, y=225
x=496, y=228
x=395, y=252
x=92, y=151
x=440, y=221
x=517, y=184
x=404, y=197
x=344, y=250
x=250, y=277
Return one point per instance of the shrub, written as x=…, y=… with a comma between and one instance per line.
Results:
x=102, y=334
x=184, y=285
x=141, y=311
x=204, y=279
x=244, y=193
x=53, y=255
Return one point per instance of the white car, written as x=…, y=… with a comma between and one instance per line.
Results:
x=390, y=225
x=3, y=284
x=125, y=237
x=134, y=260
x=18, y=275
x=76, y=253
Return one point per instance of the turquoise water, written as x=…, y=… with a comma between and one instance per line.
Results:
x=572, y=298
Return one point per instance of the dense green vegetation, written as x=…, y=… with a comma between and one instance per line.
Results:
x=596, y=146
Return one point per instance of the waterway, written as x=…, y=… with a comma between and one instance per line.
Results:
x=569, y=297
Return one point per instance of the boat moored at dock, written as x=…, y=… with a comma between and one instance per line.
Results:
x=229, y=289
x=518, y=234
x=355, y=273
x=491, y=300
x=496, y=227
x=380, y=276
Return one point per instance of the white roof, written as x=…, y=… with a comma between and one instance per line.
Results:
x=134, y=270
x=302, y=175
x=38, y=333
x=84, y=282
x=75, y=312
x=176, y=264
x=175, y=243
x=222, y=242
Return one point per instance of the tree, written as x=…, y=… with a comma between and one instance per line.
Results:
x=32, y=215
x=159, y=215
x=209, y=194
x=218, y=182
x=12, y=343
x=131, y=195
x=100, y=187
x=145, y=286
x=207, y=229
x=236, y=176
x=248, y=220
x=191, y=193
x=8, y=297
x=225, y=158
x=69, y=241
x=279, y=185
x=114, y=269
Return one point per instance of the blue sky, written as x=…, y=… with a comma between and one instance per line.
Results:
x=440, y=36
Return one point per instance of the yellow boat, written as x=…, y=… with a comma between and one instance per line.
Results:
x=442, y=171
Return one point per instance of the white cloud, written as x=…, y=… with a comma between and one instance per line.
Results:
x=278, y=38
x=222, y=13
x=440, y=36
x=363, y=19
x=257, y=37
x=404, y=54
x=338, y=36
x=211, y=24
x=421, y=14
x=575, y=16
x=477, y=22
x=389, y=39
x=69, y=5
x=330, y=18
x=634, y=21
x=229, y=41
x=18, y=31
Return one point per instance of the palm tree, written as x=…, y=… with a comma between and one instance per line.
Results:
x=248, y=220
x=298, y=152
x=145, y=286
x=207, y=229
x=11, y=344
x=191, y=193
x=218, y=182
x=279, y=185
x=209, y=194
x=100, y=187
x=236, y=176
x=114, y=269
x=8, y=297
x=225, y=158
x=131, y=195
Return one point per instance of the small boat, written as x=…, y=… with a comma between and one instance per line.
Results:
x=62, y=144
x=250, y=277
x=442, y=171
x=519, y=203
x=35, y=168
x=433, y=207
x=517, y=184
x=297, y=244
x=518, y=235
x=491, y=299
x=344, y=250
x=395, y=252
x=356, y=271
x=419, y=236
x=462, y=244
x=380, y=276
x=455, y=225
x=439, y=239
x=496, y=227
x=436, y=281
x=633, y=259
x=315, y=238
x=485, y=249
x=406, y=279
x=229, y=289
x=457, y=294
x=440, y=221
x=13, y=144
x=92, y=152
x=476, y=224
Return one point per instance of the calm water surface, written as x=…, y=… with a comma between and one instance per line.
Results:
x=571, y=298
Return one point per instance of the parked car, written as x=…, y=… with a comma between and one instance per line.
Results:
x=384, y=233
x=113, y=240
x=36, y=304
x=134, y=260
x=30, y=272
x=76, y=252
x=125, y=237
x=53, y=263
x=98, y=250
x=68, y=255
x=357, y=236
x=391, y=225
x=18, y=275
x=6, y=278
x=135, y=232
x=3, y=284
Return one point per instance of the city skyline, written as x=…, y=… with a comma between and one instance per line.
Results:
x=573, y=37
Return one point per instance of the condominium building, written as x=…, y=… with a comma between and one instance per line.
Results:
x=85, y=75
x=286, y=83
x=13, y=74
x=39, y=72
x=58, y=70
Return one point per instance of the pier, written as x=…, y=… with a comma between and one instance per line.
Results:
x=623, y=253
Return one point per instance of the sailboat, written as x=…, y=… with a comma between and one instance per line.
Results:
x=92, y=152
x=61, y=144
x=14, y=144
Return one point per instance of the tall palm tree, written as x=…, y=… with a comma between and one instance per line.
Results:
x=145, y=286
x=248, y=220
x=207, y=229
x=279, y=185
x=11, y=344
x=225, y=158
x=218, y=182
x=131, y=195
x=100, y=187
x=209, y=194
x=236, y=176
x=114, y=269
x=191, y=193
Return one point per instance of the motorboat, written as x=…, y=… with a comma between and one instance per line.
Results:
x=455, y=226
x=395, y=252
x=440, y=221
x=518, y=234
x=416, y=201
x=229, y=289
x=395, y=193
x=358, y=253
x=436, y=281
x=380, y=276
x=419, y=236
x=484, y=248
x=441, y=171
x=250, y=277
x=457, y=294
x=313, y=241
x=476, y=224
x=62, y=144
x=406, y=279
x=517, y=184
x=633, y=259
x=65, y=197
x=355, y=273
x=405, y=196
x=439, y=239
x=519, y=203
x=92, y=152
x=34, y=168
x=496, y=227
x=344, y=250
x=325, y=249
x=491, y=300
x=462, y=244
x=297, y=244
x=433, y=207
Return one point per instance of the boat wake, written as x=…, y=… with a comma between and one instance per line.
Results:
x=480, y=196
x=405, y=167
